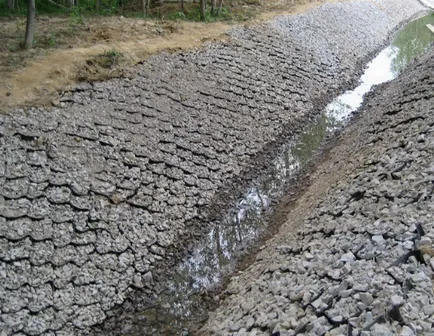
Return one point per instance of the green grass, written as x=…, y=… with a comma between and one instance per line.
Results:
x=111, y=7
x=46, y=41
x=110, y=58
x=106, y=65
x=43, y=7
x=194, y=15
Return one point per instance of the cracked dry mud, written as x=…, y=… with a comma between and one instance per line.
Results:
x=96, y=194
x=360, y=258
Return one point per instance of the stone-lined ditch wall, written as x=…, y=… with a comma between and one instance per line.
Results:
x=93, y=194
x=359, y=260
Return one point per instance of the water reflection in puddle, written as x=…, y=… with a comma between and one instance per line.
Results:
x=204, y=268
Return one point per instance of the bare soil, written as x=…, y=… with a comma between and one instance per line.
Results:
x=67, y=52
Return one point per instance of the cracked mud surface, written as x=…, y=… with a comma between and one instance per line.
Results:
x=96, y=194
x=356, y=256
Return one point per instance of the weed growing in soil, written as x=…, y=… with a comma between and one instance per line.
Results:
x=76, y=17
x=110, y=58
x=107, y=65
x=46, y=41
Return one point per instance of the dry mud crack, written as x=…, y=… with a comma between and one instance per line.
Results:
x=97, y=194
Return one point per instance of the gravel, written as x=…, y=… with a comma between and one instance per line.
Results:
x=96, y=194
x=362, y=278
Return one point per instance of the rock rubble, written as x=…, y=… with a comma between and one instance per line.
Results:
x=357, y=257
x=94, y=194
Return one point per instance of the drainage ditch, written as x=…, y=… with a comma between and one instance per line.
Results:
x=181, y=304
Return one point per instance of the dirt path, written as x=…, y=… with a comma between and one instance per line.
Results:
x=38, y=82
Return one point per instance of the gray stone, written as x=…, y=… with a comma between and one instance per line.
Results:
x=348, y=257
x=428, y=310
x=425, y=241
x=406, y=331
x=361, y=287
x=418, y=277
x=366, y=298
x=99, y=194
x=250, y=322
x=381, y=330
x=378, y=239
x=397, y=300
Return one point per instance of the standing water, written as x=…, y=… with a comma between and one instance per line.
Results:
x=180, y=304
x=411, y=42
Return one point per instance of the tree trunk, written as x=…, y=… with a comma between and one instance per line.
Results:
x=145, y=7
x=98, y=5
x=30, y=27
x=11, y=5
x=182, y=6
x=213, y=7
x=220, y=7
x=202, y=10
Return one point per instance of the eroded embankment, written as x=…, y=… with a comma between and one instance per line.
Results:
x=97, y=195
x=356, y=256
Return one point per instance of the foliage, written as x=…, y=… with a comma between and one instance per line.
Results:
x=42, y=7
x=110, y=58
x=86, y=7
x=177, y=16
x=193, y=14
x=76, y=17
x=159, y=9
x=101, y=67
x=46, y=41
x=168, y=11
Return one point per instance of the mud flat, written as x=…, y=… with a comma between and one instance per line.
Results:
x=101, y=195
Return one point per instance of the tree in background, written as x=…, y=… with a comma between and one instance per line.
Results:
x=213, y=7
x=202, y=10
x=220, y=5
x=30, y=26
x=11, y=5
x=77, y=7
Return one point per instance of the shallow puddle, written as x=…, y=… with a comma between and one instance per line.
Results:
x=214, y=257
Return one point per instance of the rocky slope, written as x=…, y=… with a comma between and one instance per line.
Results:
x=356, y=256
x=95, y=194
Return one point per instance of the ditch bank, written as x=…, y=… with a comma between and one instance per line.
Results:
x=100, y=196
x=232, y=242
x=356, y=254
